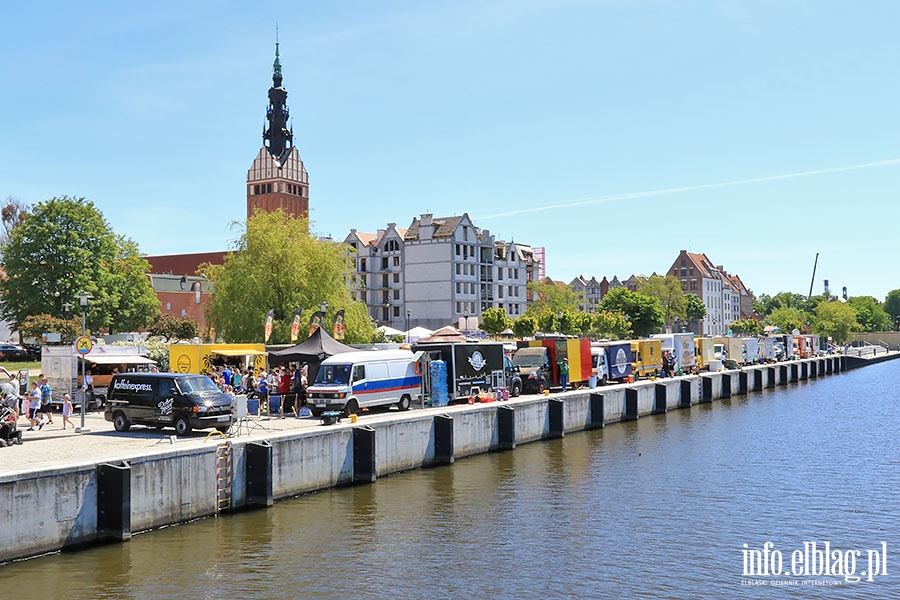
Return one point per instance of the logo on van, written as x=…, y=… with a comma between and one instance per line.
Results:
x=477, y=360
x=124, y=384
x=165, y=407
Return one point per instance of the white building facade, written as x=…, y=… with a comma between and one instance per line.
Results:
x=437, y=272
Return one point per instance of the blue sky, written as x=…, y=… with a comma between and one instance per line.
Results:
x=613, y=133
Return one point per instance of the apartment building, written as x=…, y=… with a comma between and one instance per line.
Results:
x=725, y=296
x=439, y=271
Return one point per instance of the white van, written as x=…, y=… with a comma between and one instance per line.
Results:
x=349, y=381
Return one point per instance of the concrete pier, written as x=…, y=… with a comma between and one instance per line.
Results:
x=114, y=491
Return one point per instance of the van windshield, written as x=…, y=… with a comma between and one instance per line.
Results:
x=197, y=385
x=333, y=375
x=528, y=359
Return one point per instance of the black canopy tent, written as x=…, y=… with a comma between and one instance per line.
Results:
x=313, y=349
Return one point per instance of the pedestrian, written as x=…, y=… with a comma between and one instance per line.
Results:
x=46, y=399
x=67, y=410
x=34, y=406
x=284, y=388
x=88, y=385
x=564, y=373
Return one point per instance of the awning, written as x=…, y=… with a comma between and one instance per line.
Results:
x=119, y=359
x=230, y=352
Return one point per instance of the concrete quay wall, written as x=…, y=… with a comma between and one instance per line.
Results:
x=51, y=509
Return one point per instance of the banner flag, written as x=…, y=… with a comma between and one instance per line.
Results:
x=338, y=326
x=315, y=321
x=295, y=325
x=270, y=318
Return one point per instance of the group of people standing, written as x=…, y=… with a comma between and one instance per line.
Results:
x=287, y=383
x=36, y=405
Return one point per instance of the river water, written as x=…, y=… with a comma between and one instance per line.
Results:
x=657, y=508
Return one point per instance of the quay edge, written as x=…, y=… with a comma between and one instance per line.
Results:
x=52, y=509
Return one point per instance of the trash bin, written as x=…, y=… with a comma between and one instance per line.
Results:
x=592, y=381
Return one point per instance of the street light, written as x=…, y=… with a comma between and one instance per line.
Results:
x=83, y=298
x=408, y=313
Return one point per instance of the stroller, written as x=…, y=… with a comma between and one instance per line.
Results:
x=9, y=431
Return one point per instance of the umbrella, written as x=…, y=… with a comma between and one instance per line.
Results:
x=389, y=331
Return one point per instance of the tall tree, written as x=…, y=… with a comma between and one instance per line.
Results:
x=495, y=320
x=892, y=307
x=12, y=214
x=644, y=312
x=694, y=309
x=670, y=295
x=610, y=325
x=870, y=314
x=836, y=320
x=525, y=326
x=788, y=319
x=277, y=266
x=64, y=246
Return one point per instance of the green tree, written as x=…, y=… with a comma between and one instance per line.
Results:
x=788, y=319
x=745, y=327
x=172, y=327
x=670, y=294
x=550, y=296
x=525, y=326
x=547, y=321
x=64, y=246
x=610, y=325
x=870, y=314
x=277, y=265
x=37, y=325
x=644, y=312
x=694, y=309
x=836, y=320
x=892, y=307
x=495, y=320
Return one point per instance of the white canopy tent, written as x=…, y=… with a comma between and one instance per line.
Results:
x=416, y=333
x=389, y=331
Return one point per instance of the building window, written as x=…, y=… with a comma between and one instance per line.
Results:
x=362, y=265
x=396, y=294
x=396, y=277
x=693, y=284
x=458, y=250
x=396, y=261
x=384, y=263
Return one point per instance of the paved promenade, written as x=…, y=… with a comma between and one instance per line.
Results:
x=52, y=447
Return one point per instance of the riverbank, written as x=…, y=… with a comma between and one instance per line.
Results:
x=64, y=490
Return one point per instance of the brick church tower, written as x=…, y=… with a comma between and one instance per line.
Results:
x=278, y=178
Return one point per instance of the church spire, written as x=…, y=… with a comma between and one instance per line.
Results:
x=278, y=139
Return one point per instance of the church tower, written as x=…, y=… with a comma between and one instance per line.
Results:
x=278, y=178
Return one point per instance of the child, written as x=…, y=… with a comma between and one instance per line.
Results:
x=67, y=410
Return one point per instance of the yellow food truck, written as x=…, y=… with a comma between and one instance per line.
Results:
x=647, y=357
x=202, y=358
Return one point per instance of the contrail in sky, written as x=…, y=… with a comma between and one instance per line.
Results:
x=689, y=188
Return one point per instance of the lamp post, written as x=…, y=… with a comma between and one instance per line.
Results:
x=408, y=313
x=83, y=298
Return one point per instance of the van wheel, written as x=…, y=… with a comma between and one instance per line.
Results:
x=223, y=428
x=120, y=422
x=541, y=386
x=516, y=390
x=182, y=426
x=604, y=381
x=351, y=408
x=404, y=403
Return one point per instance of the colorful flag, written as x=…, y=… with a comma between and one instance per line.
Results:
x=270, y=318
x=338, y=326
x=315, y=321
x=295, y=325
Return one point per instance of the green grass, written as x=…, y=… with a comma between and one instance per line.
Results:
x=33, y=366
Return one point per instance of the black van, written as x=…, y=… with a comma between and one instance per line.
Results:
x=178, y=400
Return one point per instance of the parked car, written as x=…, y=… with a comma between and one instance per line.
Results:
x=11, y=352
x=33, y=350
